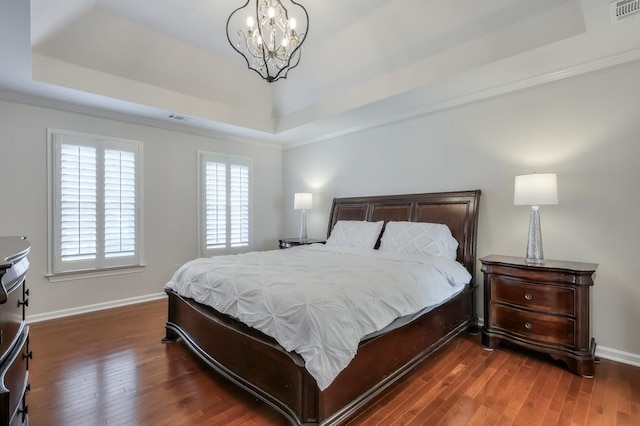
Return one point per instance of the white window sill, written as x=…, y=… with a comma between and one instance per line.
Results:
x=83, y=275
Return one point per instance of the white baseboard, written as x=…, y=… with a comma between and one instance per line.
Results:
x=92, y=308
x=619, y=356
x=607, y=353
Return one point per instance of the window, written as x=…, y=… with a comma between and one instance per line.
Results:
x=224, y=183
x=94, y=203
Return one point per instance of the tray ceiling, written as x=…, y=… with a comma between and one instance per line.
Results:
x=365, y=62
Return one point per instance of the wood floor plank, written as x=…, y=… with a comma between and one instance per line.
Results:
x=471, y=400
x=570, y=400
x=610, y=405
x=110, y=368
x=581, y=412
x=623, y=390
x=519, y=393
x=527, y=414
x=558, y=399
x=450, y=392
x=481, y=384
x=596, y=408
x=385, y=407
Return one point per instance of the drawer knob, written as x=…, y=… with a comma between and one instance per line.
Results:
x=528, y=325
x=528, y=296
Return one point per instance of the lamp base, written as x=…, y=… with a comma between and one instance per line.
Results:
x=303, y=226
x=534, y=240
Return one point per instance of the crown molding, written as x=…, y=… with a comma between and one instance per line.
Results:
x=38, y=101
x=514, y=86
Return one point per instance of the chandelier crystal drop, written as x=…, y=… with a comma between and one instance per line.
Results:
x=268, y=36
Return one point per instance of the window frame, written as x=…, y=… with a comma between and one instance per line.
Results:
x=58, y=270
x=202, y=158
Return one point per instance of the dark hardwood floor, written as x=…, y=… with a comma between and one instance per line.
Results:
x=110, y=368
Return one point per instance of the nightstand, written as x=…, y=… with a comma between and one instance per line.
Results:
x=540, y=307
x=290, y=242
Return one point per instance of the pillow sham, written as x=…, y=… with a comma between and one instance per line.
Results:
x=421, y=238
x=355, y=233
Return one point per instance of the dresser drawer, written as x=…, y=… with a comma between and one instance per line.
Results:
x=531, y=325
x=13, y=378
x=11, y=319
x=559, y=300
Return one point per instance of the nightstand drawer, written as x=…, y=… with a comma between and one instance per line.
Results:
x=541, y=327
x=558, y=300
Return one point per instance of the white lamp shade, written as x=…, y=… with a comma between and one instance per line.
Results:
x=536, y=189
x=302, y=201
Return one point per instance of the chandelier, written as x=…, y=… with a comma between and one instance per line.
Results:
x=269, y=39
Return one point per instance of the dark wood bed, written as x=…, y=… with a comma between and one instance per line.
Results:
x=258, y=364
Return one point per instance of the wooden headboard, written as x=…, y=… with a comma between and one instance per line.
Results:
x=458, y=210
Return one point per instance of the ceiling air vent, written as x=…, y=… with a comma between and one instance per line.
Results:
x=177, y=117
x=621, y=9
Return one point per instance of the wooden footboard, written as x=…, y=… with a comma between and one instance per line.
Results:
x=245, y=356
x=258, y=364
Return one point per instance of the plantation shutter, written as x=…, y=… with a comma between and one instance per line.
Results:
x=94, y=203
x=78, y=203
x=225, y=184
x=119, y=203
x=239, y=200
x=216, y=205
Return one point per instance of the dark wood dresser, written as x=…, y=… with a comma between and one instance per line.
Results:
x=14, y=333
x=540, y=307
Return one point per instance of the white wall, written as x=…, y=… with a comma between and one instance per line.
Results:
x=170, y=211
x=586, y=129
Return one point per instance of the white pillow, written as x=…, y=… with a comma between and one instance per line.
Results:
x=433, y=239
x=355, y=233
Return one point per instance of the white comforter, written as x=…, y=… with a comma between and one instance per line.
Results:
x=319, y=301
